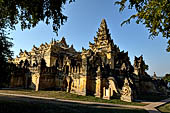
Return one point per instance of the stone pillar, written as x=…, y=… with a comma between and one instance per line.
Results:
x=68, y=84
x=109, y=93
x=104, y=92
x=72, y=70
x=26, y=81
x=80, y=69
x=99, y=88
x=37, y=83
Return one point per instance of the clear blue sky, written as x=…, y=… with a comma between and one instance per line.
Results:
x=84, y=17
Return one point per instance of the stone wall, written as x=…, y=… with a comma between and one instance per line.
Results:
x=91, y=85
x=47, y=81
x=147, y=87
x=78, y=85
x=17, y=81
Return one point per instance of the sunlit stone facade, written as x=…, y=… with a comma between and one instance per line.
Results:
x=99, y=70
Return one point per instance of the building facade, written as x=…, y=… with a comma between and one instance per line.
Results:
x=99, y=70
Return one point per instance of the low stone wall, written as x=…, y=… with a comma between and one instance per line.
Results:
x=17, y=81
x=78, y=85
x=59, y=84
x=46, y=81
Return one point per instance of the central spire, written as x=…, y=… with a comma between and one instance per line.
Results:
x=103, y=32
x=103, y=24
x=103, y=41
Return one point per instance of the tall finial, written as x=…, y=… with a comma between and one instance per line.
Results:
x=52, y=41
x=103, y=20
x=103, y=23
x=21, y=51
x=154, y=74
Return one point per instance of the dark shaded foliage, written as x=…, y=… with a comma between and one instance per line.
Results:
x=28, y=13
x=167, y=77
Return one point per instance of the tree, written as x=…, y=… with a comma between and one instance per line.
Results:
x=167, y=77
x=154, y=14
x=5, y=53
x=28, y=13
x=146, y=67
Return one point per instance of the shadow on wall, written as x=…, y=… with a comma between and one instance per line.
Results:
x=20, y=81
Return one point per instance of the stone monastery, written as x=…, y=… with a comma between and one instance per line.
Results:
x=102, y=70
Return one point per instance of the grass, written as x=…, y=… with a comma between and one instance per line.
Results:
x=164, y=108
x=153, y=98
x=21, y=106
x=69, y=96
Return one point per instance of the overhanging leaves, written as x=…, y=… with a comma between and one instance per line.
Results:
x=154, y=14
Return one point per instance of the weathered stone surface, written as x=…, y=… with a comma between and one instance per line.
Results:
x=126, y=93
x=139, y=66
x=99, y=70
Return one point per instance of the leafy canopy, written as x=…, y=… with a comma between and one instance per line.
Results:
x=167, y=77
x=28, y=13
x=5, y=53
x=154, y=14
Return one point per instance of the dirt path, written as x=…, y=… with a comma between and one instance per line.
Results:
x=151, y=107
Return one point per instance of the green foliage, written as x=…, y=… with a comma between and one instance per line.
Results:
x=69, y=96
x=164, y=108
x=168, y=48
x=146, y=67
x=5, y=44
x=28, y=13
x=167, y=77
x=154, y=14
x=5, y=53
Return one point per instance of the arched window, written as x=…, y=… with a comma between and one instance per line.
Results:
x=43, y=63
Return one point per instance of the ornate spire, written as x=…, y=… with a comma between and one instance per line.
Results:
x=52, y=40
x=103, y=31
x=103, y=41
x=63, y=41
x=103, y=24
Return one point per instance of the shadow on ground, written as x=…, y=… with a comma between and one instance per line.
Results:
x=9, y=104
